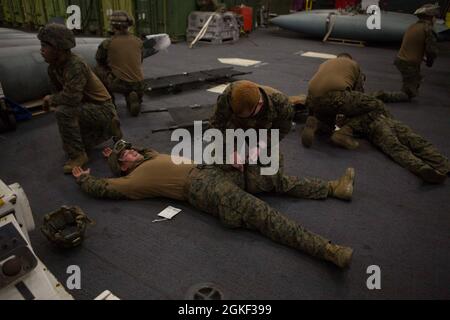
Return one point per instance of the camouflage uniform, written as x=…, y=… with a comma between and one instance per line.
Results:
x=113, y=83
x=385, y=96
x=304, y=188
x=410, y=70
x=222, y=194
x=277, y=113
x=399, y=142
x=349, y=103
x=83, y=123
x=252, y=182
x=391, y=96
x=119, y=62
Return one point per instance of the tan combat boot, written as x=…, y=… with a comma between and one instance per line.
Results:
x=430, y=175
x=116, y=132
x=339, y=255
x=134, y=104
x=309, y=131
x=344, y=138
x=343, y=188
x=80, y=161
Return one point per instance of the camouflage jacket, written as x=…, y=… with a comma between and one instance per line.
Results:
x=99, y=188
x=277, y=113
x=68, y=81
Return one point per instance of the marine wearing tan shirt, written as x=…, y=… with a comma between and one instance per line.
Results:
x=334, y=75
x=220, y=193
x=157, y=176
x=124, y=57
x=419, y=44
x=84, y=112
x=335, y=90
x=119, y=62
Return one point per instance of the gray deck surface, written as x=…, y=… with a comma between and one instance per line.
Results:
x=394, y=222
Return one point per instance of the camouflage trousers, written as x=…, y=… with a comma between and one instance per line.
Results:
x=82, y=128
x=399, y=142
x=391, y=96
x=411, y=77
x=114, y=84
x=349, y=103
x=222, y=194
x=304, y=188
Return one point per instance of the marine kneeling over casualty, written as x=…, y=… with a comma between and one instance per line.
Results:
x=345, y=113
x=222, y=193
x=119, y=62
x=84, y=110
x=247, y=105
x=336, y=88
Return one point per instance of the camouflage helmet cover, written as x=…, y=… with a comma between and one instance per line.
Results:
x=58, y=36
x=121, y=18
x=431, y=10
x=66, y=227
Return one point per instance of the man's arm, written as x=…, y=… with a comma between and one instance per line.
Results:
x=102, y=53
x=283, y=122
x=75, y=80
x=360, y=82
x=222, y=113
x=99, y=188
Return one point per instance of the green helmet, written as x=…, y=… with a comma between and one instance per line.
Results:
x=58, y=36
x=121, y=18
x=431, y=10
x=113, y=160
x=65, y=227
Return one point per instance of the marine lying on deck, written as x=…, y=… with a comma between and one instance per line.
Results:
x=332, y=101
x=222, y=193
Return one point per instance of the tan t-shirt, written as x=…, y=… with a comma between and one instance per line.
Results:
x=157, y=177
x=334, y=75
x=95, y=90
x=125, y=57
x=413, y=45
